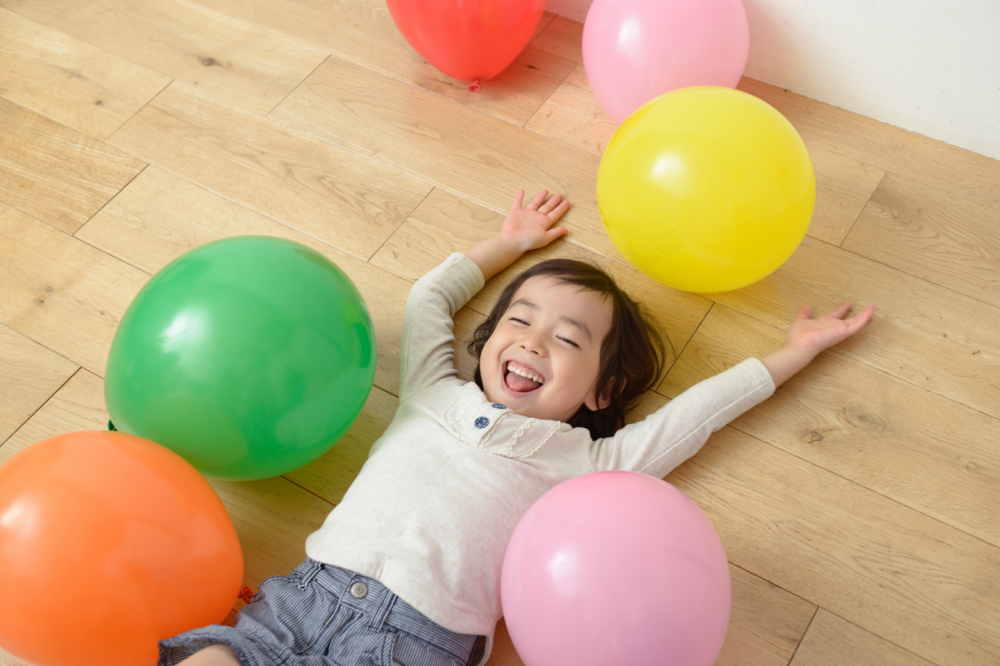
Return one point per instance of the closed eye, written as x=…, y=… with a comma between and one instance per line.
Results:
x=568, y=340
x=519, y=321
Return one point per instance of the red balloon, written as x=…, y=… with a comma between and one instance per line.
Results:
x=108, y=544
x=470, y=40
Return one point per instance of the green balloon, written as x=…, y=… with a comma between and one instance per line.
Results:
x=249, y=357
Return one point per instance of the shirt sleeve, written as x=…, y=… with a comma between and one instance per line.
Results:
x=675, y=432
x=426, y=354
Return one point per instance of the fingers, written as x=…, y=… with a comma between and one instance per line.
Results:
x=842, y=311
x=549, y=205
x=805, y=312
x=556, y=232
x=538, y=201
x=858, y=322
x=556, y=213
x=518, y=200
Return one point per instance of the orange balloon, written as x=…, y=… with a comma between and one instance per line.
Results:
x=108, y=544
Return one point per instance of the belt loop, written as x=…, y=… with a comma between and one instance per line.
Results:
x=378, y=620
x=310, y=573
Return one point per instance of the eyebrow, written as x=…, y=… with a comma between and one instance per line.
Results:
x=569, y=320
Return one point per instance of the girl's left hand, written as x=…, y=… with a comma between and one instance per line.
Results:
x=530, y=227
x=827, y=330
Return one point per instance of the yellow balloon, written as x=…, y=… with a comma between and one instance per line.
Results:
x=706, y=189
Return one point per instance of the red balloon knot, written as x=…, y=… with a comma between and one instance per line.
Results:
x=246, y=594
x=475, y=86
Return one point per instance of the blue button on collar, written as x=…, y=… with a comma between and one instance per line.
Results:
x=482, y=422
x=498, y=405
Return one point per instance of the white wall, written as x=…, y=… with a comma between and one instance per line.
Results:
x=931, y=66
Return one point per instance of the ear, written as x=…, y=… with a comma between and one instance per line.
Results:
x=594, y=404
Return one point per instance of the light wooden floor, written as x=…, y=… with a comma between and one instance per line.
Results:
x=858, y=506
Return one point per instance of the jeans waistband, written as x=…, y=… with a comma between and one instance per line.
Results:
x=376, y=601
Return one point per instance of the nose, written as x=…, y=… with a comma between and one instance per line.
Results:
x=531, y=344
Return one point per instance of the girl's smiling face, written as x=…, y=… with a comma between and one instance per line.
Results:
x=543, y=358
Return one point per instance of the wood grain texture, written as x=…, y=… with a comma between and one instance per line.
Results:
x=29, y=375
x=574, y=116
x=465, y=152
x=442, y=224
x=366, y=34
x=160, y=216
x=61, y=292
x=843, y=187
x=933, y=234
x=832, y=641
x=68, y=80
x=765, y=625
x=248, y=64
x=324, y=191
x=885, y=147
x=924, y=586
x=77, y=405
x=563, y=37
x=925, y=334
x=55, y=173
x=901, y=441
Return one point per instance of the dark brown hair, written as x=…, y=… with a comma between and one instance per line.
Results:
x=632, y=353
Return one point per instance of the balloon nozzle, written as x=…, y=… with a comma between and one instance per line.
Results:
x=475, y=86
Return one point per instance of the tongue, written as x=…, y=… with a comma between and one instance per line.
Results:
x=516, y=382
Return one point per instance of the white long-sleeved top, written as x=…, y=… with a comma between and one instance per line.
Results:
x=433, y=508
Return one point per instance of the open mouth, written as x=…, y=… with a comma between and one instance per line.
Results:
x=520, y=379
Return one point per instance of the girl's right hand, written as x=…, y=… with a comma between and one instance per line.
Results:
x=530, y=227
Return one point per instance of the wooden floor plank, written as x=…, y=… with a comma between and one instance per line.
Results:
x=765, y=625
x=442, y=224
x=901, y=441
x=843, y=187
x=928, y=161
x=248, y=64
x=460, y=150
x=29, y=375
x=55, y=173
x=563, y=37
x=574, y=116
x=70, y=81
x=320, y=189
x=915, y=582
x=945, y=239
x=926, y=334
x=366, y=34
x=61, y=292
x=77, y=406
x=832, y=641
x=160, y=216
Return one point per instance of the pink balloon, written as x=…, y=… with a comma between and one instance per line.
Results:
x=637, y=50
x=616, y=568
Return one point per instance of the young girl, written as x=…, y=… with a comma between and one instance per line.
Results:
x=406, y=570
